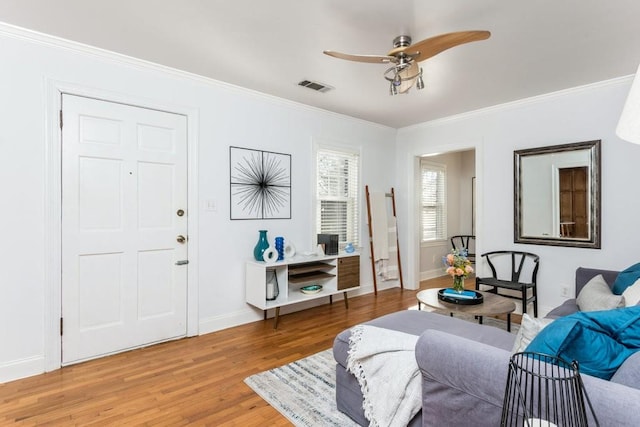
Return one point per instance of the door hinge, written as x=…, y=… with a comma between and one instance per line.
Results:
x=61, y=327
x=60, y=119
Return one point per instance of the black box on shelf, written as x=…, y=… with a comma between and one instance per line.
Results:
x=330, y=242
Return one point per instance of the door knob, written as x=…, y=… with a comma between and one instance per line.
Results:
x=180, y=212
x=181, y=239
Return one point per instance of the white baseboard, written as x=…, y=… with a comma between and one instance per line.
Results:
x=431, y=274
x=22, y=368
x=218, y=323
x=229, y=320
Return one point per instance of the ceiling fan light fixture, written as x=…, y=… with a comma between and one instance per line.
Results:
x=397, y=80
x=419, y=81
x=393, y=89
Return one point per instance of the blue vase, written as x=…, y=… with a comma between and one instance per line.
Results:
x=280, y=247
x=261, y=246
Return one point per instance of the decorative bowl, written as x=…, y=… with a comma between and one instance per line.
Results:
x=311, y=289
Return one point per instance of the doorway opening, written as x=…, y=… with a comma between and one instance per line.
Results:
x=458, y=169
x=573, y=201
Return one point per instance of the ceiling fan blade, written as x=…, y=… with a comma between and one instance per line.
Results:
x=375, y=59
x=432, y=46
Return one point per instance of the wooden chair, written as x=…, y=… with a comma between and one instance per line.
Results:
x=461, y=243
x=513, y=280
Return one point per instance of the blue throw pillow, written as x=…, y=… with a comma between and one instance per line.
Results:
x=626, y=278
x=628, y=329
x=599, y=340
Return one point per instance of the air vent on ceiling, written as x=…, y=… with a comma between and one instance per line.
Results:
x=318, y=87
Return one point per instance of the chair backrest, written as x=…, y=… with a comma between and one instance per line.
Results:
x=464, y=243
x=518, y=261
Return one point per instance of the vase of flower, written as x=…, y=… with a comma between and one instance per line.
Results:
x=458, y=267
x=458, y=283
x=261, y=246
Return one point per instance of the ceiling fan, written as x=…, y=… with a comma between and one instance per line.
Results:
x=405, y=56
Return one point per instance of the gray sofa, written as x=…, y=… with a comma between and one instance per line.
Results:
x=583, y=275
x=464, y=370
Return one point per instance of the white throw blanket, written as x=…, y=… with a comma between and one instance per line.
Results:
x=387, y=268
x=384, y=238
x=385, y=365
x=379, y=226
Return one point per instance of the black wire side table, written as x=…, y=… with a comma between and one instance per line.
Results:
x=544, y=391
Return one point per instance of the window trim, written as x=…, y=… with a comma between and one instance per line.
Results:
x=319, y=145
x=438, y=241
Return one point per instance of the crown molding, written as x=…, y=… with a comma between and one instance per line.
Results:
x=617, y=81
x=15, y=32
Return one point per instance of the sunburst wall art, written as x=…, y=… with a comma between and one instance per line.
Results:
x=260, y=184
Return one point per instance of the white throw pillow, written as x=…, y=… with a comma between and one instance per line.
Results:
x=596, y=295
x=529, y=328
x=632, y=294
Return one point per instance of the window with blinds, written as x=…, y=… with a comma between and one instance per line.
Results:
x=337, y=201
x=433, y=217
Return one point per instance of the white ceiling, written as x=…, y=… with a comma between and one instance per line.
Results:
x=536, y=47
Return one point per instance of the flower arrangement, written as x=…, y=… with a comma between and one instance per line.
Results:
x=458, y=267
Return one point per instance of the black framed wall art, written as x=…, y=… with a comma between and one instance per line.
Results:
x=260, y=184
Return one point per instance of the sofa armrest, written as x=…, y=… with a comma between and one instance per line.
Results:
x=465, y=380
x=614, y=404
x=570, y=306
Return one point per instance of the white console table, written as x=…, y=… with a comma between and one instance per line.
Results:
x=336, y=273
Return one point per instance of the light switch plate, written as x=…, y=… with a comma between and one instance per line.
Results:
x=210, y=205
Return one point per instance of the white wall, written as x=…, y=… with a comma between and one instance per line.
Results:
x=581, y=114
x=227, y=116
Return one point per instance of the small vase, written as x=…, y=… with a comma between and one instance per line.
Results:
x=458, y=284
x=261, y=246
x=280, y=247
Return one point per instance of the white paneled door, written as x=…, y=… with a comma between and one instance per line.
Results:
x=124, y=227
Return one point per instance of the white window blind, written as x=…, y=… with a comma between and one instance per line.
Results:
x=433, y=201
x=337, y=201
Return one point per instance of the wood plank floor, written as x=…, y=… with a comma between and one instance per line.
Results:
x=193, y=381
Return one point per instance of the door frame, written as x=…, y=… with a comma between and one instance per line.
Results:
x=410, y=236
x=555, y=192
x=53, y=207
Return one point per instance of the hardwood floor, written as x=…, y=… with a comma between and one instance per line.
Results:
x=193, y=381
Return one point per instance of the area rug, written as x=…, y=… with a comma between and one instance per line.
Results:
x=304, y=391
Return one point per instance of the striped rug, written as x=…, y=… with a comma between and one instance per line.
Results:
x=304, y=391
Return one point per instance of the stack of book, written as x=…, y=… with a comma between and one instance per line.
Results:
x=462, y=295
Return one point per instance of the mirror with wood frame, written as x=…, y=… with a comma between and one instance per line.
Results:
x=557, y=195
